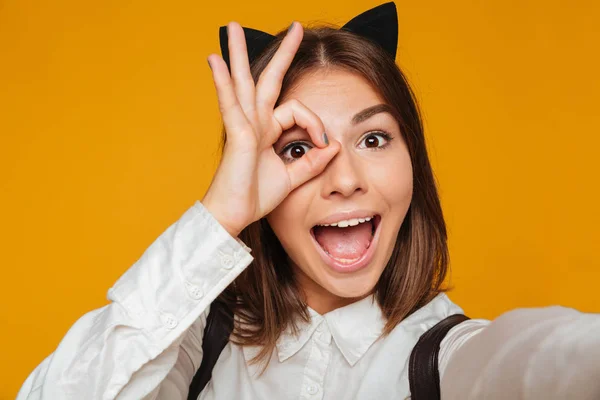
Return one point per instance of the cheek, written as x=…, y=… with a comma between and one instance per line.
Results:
x=392, y=180
x=288, y=217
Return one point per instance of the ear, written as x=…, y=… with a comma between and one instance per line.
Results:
x=256, y=42
x=379, y=24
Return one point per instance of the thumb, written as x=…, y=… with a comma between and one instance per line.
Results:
x=311, y=164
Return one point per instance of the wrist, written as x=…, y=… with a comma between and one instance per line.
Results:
x=220, y=217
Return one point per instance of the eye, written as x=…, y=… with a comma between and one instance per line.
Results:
x=294, y=150
x=376, y=140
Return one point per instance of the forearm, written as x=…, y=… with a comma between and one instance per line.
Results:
x=529, y=354
x=126, y=349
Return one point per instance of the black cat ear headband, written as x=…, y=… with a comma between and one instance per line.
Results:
x=379, y=24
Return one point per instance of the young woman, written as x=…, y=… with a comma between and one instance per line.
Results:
x=322, y=233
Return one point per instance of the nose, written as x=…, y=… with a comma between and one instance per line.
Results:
x=344, y=176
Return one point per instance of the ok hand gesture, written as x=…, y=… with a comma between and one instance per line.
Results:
x=252, y=179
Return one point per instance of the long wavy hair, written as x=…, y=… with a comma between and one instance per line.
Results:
x=266, y=297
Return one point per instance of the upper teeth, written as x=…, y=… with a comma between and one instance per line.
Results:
x=348, y=222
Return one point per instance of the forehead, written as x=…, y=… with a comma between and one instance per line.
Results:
x=334, y=92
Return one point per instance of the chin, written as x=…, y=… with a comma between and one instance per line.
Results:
x=349, y=290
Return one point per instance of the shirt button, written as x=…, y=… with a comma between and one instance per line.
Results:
x=325, y=337
x=227, y=261
x=196, y=292
x=312, y=389
x=169, y=321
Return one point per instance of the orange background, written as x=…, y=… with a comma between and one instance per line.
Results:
x=109, y=130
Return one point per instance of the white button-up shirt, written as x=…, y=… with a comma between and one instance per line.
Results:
x=146, y=343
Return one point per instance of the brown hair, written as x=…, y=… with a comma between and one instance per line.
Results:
x=265, y=296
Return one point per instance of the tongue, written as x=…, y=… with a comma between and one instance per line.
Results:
x=344, y=243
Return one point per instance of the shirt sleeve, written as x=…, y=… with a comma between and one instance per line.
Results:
x=546, y=353
x=146, y=343
x=456, y=338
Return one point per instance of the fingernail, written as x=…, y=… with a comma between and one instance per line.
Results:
x=290, y=28
x=325, y=138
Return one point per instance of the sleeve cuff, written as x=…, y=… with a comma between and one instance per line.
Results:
x=181, y=273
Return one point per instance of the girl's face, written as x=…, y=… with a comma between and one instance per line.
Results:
x=370, y=177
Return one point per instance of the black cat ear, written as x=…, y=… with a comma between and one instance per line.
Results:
x=379, y=24
x=256, y=42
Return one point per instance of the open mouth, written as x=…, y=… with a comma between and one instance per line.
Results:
x=348, y=245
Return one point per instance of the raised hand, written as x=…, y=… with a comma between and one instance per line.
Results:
x=252, y=179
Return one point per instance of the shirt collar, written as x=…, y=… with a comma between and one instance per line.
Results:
x=354, y=329
x=289, y=343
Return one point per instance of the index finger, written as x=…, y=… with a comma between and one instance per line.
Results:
x=240, y=67
x=269, y=83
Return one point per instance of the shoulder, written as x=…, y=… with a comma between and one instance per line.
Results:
x=423, y=319
x=433, y=312
x=439, y=308
x=458, y=336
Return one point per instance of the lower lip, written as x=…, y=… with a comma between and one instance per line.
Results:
x=362, y=262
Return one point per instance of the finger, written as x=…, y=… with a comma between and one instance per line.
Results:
x=240, y=67
x=234, y=119
x=292, y=113
x=311, y=164
x=269, y=83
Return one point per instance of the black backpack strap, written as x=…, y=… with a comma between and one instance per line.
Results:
x=219, y=325
x=423, y=372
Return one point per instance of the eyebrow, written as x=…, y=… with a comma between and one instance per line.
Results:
x=367, y=113
x=360, y=116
